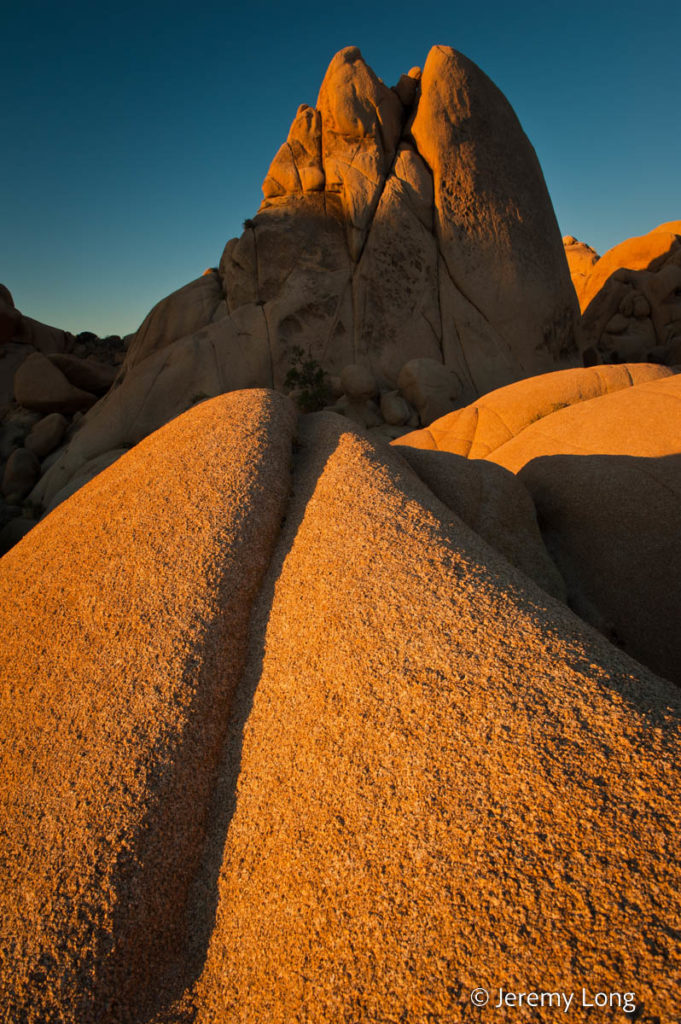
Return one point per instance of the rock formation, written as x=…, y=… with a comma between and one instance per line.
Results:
x=435, y=776
x=296, y=726
x=47, y=378
x=138, y=593
x=398, y=226
x=631, y=297
x=599, y=451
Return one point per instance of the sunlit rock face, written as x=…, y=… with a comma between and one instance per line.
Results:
x=631, y=297
x=397, y=224
x=285, y=740
x=599, y=450
x=115, y=700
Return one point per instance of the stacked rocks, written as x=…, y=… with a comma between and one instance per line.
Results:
x=398, y=225
x=631, y=297
x=48, y=379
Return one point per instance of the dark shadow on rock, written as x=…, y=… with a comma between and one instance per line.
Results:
x=140, y=966
x=311, y=456
x=612, y=523
x=308, y=465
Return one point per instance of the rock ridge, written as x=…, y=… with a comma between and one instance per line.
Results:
x=395, y=227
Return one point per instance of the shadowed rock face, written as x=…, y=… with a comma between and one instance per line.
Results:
x=398, y=224
x=631, y=297
x=434, y=777
x=599, y=450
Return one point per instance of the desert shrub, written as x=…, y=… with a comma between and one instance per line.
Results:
x=308, y=380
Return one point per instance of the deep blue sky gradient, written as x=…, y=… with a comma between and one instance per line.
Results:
x=136, y=136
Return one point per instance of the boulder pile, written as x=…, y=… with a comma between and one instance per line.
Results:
x=48, y=379
x=599, y=450
x=284, y=739
x=405, y=231
x=299, y=726
x=631, y=297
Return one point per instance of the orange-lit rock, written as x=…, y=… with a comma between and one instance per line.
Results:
x=361, y=123
x=397, y=224
x=605, y=477
x=123, y=635
x=480, y=428
x=599, y=450
x=297, y=167
x=495, y=504
x=436, y=776
x=631, y=299
x=503, y=276
x=581, y=260
x=642, y=253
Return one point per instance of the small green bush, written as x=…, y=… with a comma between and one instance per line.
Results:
x=308, y=379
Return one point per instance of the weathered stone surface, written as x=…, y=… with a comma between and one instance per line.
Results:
x=408, y=705
x=297, y=167
x=169, y=381
x=631, y=300
x=495, y=504
x=395, y=285
x=581, y=261
x=122, y=636
x=183, y=312
x=40, y=385
x=42, y=337
x=291, y=270
x=460, y=741
x=88, y=374
x=361, y=253
x=358, y=382
x=87, y=472
x=47, y=434
x=431, y=388
x=605, y=476
x=21, y=472
x=361, y=123
x=395, y=409
x=516, y=312
x=484, y=426
x=12, y=355
x=645, y=252
x=599, y=450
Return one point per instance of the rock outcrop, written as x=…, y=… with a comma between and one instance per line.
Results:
x=631, y=297
x=417, y=732
x=581, y=261
x=123, y=635
x=43, y=370
x=398, y=225
x=417, y=739
x=599, y=450
x=479, y=429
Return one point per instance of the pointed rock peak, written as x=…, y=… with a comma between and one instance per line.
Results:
x=354, y=102
x=457, y=79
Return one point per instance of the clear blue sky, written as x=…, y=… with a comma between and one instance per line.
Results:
x=136, y=135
